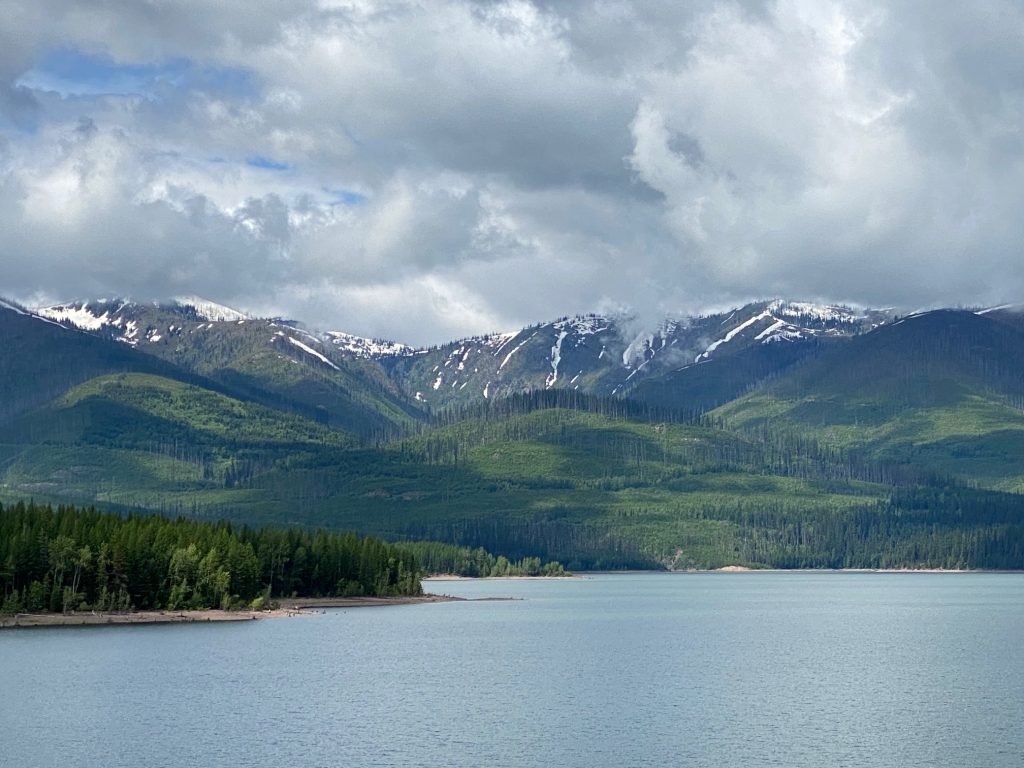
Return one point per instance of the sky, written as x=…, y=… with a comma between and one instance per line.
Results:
x=427, y=170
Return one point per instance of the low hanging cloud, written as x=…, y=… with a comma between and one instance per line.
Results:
x=424, y=171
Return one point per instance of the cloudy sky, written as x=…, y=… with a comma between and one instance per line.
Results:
x=426, y=170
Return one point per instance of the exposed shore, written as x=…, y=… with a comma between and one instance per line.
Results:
x=287, y=608
x=300, y=604
x=457, y=577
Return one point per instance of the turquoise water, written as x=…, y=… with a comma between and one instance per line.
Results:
x=717, y=670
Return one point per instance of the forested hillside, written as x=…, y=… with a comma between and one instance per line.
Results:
x=273, y=362
x=942, y=390
x=42, y=359
x=75, y=559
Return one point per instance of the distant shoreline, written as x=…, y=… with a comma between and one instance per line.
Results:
x=726, y=569
x=457, y=577
x=746, y=569
x=287, y=608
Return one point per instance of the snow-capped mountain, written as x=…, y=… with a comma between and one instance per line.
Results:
x=192, y=323
x=610, y=355
x=137, y=322
x=274, y=361
x=689, y=362
x=149, y=323
x=599, y=354
x=593, y=353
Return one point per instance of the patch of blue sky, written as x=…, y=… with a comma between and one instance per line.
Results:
x=344, y=196
x=71, y=72
x=259, y=161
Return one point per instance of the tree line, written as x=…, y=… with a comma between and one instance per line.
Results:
x=440, y=558
x=66, y=558
x=952, y=528
x=529, y=401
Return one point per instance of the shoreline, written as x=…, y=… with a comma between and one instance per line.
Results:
x=745, y=569
x=457, y=577
x=312, y=606
x=288, y=608
x=307, y=604
x=726, y=569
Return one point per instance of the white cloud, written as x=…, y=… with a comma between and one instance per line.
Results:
x=427, y=170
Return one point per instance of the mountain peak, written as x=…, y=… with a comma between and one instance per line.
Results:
x=86, y=315
x=96, y=314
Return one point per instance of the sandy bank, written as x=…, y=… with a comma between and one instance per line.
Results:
x=136, y=617
x=288, y=608
x=300, y=604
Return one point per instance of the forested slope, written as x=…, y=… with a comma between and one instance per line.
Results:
x=74, y=559
x=942, y=390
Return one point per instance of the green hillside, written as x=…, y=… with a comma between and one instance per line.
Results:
x=40, y=360
x=595, y=489
x=943, y=390
x=148, y=441
x=140, y=410
x=843, y=459
x=589, y=488
x=259, y=360
x=700, y=387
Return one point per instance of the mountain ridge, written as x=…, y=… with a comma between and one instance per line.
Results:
x=598, y=353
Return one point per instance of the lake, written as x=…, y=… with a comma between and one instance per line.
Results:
x=747, y=669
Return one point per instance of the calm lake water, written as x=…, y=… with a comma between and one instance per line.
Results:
x=613, y=670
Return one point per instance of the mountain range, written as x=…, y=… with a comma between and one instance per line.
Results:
x=770, y=434
x=593, y=353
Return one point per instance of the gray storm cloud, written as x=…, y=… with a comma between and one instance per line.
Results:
x=425, y=171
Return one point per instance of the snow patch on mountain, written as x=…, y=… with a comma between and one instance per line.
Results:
x=1001, y=308
x=637, y=370
x=556, y=359
x=829, y=313
x=309, y=350
x=78, y=315
x=17, y=309
x=778, y=325
x=211, y=310
x=367, y=348
x=637, y=349
x=584, y=325
x=514, y=350
x=11, y=307
x=732, y=334
x=499, y=340
x=786, y=335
